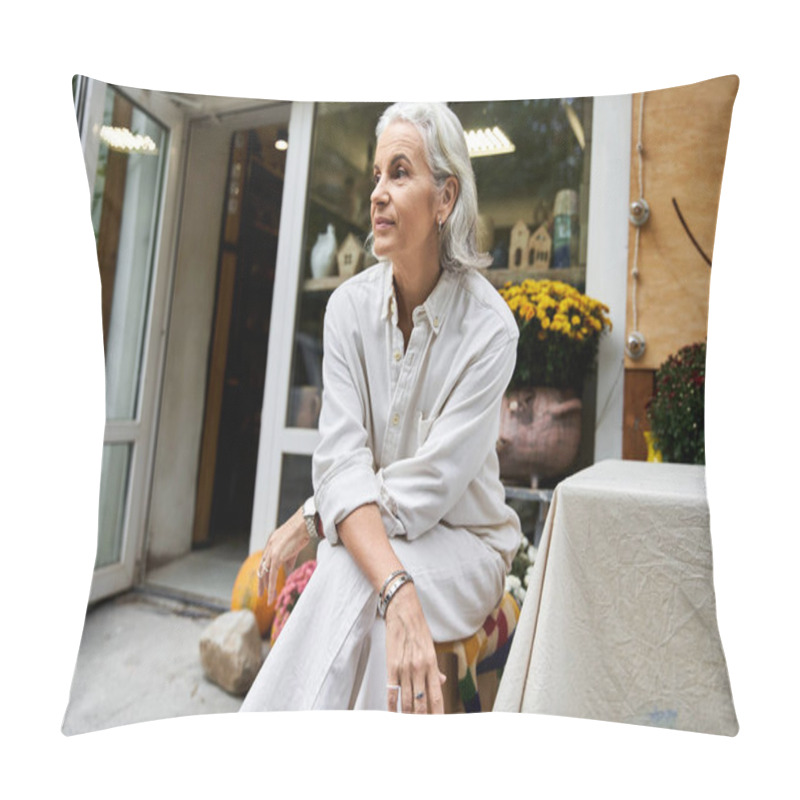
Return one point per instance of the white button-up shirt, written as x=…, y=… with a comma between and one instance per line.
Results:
x=415, y=430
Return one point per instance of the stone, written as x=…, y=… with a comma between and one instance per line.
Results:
x=231, y=651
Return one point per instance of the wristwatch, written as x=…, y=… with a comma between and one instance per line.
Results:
x=312, y=519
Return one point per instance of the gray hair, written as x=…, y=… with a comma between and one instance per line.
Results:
x=447, y=155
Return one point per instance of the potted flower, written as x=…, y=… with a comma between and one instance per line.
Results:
x=559, y=335
x=290, y=594
x=518, y=579
x=676, y=411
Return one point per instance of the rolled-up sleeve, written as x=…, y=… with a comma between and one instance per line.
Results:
x=416, y=493
x=343, y=465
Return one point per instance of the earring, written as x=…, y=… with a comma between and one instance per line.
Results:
x=441, y=224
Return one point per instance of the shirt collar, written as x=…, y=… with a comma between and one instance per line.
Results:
x=435, y=306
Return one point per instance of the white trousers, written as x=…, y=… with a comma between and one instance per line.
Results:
x=332, y=652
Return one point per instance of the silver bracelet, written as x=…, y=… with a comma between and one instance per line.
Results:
x=383, y=602
x=389, y=580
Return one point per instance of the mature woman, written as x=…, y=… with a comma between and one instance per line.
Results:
x=416, y=535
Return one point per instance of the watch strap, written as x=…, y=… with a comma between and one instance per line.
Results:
x=311, y=519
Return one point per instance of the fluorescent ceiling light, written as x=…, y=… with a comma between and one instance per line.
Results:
x=124, y=141
x=488, y=142
x=575, y=123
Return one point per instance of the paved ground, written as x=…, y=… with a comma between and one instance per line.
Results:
x=139, y=660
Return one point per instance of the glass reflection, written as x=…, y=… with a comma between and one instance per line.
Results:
x=533, y=196
x=125, y=206
x=336, y=226
x=542, y=185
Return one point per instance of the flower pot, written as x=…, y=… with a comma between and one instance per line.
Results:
x=653, y=453
x=540, y=433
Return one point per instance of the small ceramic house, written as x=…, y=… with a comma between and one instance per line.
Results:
x=518, y=246
x=350, y=256
x=540, y=248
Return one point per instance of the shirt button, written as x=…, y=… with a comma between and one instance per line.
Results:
x=436, y=322
x=395, y=419
x=397, y=355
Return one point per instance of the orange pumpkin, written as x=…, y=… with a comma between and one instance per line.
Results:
x=245, y=592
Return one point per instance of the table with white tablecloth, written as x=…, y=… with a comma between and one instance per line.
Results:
x=619, y=622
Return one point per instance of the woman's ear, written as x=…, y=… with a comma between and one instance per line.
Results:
x=448, y=197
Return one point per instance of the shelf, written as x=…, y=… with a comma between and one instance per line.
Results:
x=499, y=277
x=322, y=284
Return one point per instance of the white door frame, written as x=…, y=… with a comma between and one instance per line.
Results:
x=276, y=439
x=607, y=260
x=140, y=432
x=173, y=495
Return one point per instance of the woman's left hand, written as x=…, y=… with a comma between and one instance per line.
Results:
x=410, y=656
x=281, y=550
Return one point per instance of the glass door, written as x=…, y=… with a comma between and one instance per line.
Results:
x=324, y=221
x=126, y=150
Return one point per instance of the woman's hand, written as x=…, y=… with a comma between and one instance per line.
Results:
x=410, y=656
x=281, y=549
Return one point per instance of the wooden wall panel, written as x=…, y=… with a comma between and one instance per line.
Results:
x=685, y=136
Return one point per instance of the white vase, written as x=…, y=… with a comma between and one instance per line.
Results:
x=323, y=254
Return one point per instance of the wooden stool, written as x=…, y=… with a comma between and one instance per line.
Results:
x=471, y=665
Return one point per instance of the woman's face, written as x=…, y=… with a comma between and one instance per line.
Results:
x=405, y=202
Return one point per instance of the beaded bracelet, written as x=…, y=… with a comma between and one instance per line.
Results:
x=386, y=598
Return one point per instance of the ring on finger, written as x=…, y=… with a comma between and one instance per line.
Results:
x=397, y=703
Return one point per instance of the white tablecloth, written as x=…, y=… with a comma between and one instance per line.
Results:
x=619, y=622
